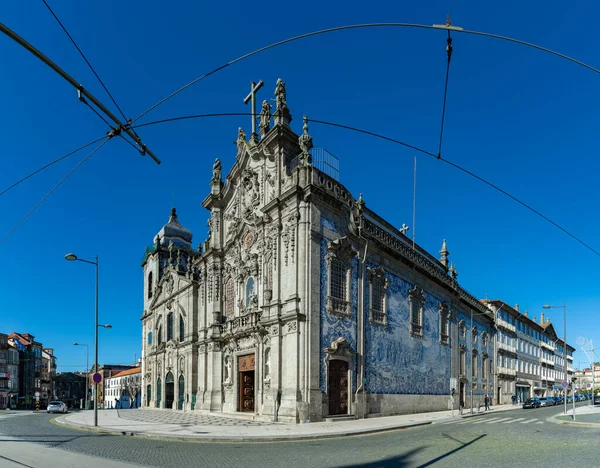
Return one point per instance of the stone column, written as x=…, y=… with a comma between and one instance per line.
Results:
x=213, y=396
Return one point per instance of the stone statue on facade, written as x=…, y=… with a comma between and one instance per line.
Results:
x=241, y=141
x=265, y=118
x=216, y=171
x=280, y=95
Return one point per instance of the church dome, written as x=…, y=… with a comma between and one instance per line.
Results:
x=174, y=231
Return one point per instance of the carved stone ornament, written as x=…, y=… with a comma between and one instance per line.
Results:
x=292, y=327
x=169, y=283
x=274, y=330
x=341, y=249
x=417, y=296
x=248, y=240
x=340, y=347
x=202, y=348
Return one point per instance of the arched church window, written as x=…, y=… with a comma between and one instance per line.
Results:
x=149, y=337
x=159, y=335
x=230, y=298
x=181, y=328
x=170, y=326
x=149, y=285
x=250, y=293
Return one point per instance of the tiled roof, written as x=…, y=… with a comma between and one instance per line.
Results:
x=135, y=370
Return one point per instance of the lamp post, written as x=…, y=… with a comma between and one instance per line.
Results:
x=72, y=258
x=564, y=306
x=87, y=371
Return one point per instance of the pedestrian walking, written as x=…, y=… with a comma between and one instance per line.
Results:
x=486, y=401
x=514, y=399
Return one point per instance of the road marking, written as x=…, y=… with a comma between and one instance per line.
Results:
x=486, y=421
x=513, y=421
x=494, y=422
x=540, y=422
x=527, y=422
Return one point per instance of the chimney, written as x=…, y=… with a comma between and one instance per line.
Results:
x=542, y=318
x=534, y=319
x=517, y=307
x=526, y=313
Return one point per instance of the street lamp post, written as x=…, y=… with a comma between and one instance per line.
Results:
x=72, y=257
x=564, y=306
x=87, y=371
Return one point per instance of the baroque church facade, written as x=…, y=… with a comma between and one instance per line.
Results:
x=302, y=302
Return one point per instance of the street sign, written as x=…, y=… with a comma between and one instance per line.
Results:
x=589, y=385
x=565, y=384
x=37, y=394
x=97, y=378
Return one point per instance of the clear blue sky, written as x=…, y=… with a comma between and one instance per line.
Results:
x=524, y=120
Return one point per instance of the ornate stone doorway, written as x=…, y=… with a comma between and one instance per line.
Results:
x=246, y=382
x=169, y=390
x=337, y=380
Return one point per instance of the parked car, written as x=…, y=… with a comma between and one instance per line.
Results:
x=56, y=407
x=532, y=403
x=544, y=401
x=597, y=399
x=558, y=400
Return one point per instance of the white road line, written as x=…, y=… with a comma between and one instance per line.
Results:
x=452, y=422
x=540, y=422
x=513, y=421
x=486, y=421
x=503, y=419
x=527, y=422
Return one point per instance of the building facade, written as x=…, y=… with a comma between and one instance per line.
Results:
x=124, y=389
x=48, y=375
x=531, y=354
x=30, y=368
x=70, y=388
x=4, y=372
x=302, y=302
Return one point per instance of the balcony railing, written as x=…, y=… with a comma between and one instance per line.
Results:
x=569, y=358
x=548, y=346
x=507, y=347
x=506, y=371
x=549, y=362
x=504, y=324
x=240, y=324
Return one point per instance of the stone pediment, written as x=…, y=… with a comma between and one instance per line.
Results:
x=168, y=287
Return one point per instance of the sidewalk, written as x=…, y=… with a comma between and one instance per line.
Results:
x=215, y=427
x=588, y=416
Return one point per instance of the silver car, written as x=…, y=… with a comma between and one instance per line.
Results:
x=546, y=401
x=56, y=407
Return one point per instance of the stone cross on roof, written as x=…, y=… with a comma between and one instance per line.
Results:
x=252, y=97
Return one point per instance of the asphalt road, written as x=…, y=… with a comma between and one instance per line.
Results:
x=514, y=438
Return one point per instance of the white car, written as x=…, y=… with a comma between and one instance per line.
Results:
x=56, y=407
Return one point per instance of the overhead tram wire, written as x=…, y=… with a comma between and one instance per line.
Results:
x=449, y=54
x=84, y=58
x=53, y=189
x=7, y=189
x=120, y=126
x=363, y=26
x=398, y=142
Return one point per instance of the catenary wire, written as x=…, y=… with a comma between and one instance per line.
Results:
x=393, y=140
x=53, y=189
x=50, y=164
x=449, y=54
x=84, y=58
x=361, y=26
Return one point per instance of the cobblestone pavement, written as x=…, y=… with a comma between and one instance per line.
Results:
x=191, y=419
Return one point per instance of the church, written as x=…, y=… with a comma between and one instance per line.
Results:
x=303, y=303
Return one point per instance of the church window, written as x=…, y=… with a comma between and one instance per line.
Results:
x=149, y=337
x=339, y=271
x=416, y=299
x=150, y=285
x=462, y=329
x=181, y=328
x=444, y=322
x=484, y=368
x=250, y=293
x=474, y=365
x=378, y=287
x=474, y=334
x=230, y=298
x=159, y=336
x=170, y=326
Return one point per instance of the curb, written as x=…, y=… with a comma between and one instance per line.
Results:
x=61, y=420
x=562, y=422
